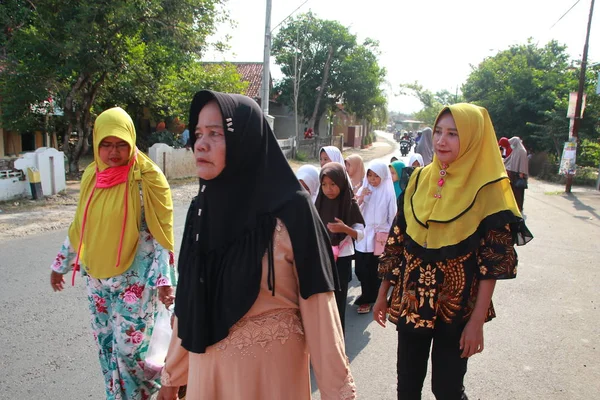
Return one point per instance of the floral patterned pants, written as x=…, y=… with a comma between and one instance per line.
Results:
x=123, y=309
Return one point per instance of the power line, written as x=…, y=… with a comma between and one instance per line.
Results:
x=577, y=2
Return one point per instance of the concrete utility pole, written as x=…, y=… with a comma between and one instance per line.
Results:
x=264, y=92
x=577, y=117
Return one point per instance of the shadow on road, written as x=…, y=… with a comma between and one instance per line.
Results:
x=576, y=199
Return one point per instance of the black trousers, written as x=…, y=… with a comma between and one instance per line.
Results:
x=365, y=266
x=448, y=369
x=344, y=269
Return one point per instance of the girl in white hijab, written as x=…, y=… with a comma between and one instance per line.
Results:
x=377, y=200
x=425, y=146
x=329, y=154
x=415, y=158
x=308, y=175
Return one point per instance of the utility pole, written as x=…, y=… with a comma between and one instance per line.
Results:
x=577, y=117
x=264, y=96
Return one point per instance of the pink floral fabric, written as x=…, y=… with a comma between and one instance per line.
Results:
x=123, y=309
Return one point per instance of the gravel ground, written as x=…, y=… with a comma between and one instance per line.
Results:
x=24, y=217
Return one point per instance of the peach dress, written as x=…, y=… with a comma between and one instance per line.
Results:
x=267, y=353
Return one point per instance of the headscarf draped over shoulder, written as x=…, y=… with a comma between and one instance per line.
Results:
x=116, y=210
x=476, y=186
x=230, y=226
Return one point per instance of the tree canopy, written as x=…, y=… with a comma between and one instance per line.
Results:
x=89, y=55
x=323, y=64
x=526, y=90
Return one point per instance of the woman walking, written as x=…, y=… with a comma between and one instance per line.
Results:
x=122, y=236
x=255, y=300
x=452, y=238
x=356, y=171
x=425, y=146
x=517, y=167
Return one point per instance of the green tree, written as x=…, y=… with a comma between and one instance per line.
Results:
x=71, y=51
x=432, y=102
x=526, y=90
x=322, y=48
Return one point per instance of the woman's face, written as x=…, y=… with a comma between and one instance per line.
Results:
x=416, y=163
x=373, y=178
x=114, y=152
x=446, y=142
x=304, y=185
x=394, y=174
x=209, y=147
x=324, y=158
x=329, y=188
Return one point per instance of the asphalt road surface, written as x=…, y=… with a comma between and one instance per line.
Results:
x=545, y=343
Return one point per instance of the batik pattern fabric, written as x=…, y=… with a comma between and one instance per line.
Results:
x=433, y=286
x=123, y=309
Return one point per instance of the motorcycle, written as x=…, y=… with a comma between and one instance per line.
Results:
x=404, y=147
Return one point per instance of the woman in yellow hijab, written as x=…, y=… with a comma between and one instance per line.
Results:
x=452, y=238
x=122, y=236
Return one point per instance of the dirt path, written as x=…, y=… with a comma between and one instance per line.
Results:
x=23, y=217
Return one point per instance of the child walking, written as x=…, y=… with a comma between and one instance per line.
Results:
x=340, y=214
x=377, y=201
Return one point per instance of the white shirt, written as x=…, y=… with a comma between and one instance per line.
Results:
x=346, y=246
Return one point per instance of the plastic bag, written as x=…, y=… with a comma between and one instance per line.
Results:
x=159, y=343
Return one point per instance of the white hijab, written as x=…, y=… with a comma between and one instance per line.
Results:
x=310, y=176
x=376, y=205
x=415, y=157
x=334, y=154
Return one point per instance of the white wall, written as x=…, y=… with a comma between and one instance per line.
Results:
x=51, y=165
x=175, y=163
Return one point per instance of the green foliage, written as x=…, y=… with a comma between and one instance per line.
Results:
x=76, y=52
x=526, y=89
x=301, y=156
x=166, y=137
x=432, y=102
x=302, y=47
x=590, y=154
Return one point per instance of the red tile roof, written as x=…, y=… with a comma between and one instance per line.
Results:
x=252, y=73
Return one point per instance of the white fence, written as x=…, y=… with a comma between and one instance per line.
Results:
x=180, y=163
x=51, y=165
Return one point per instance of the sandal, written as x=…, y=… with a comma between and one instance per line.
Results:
x=364, y=309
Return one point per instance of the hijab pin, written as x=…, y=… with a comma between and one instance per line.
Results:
x=230, y=129
x=228, y=119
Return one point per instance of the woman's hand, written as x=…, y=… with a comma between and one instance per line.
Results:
x=338, y=226
x=165, y=295
x=380, y=310
x=57, y=281
x=471, y=340
x=168, y=393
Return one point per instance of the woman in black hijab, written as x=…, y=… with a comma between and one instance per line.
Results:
x=255, y=295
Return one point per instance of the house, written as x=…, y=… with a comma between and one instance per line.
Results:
x=285, y=122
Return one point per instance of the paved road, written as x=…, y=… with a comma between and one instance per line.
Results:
x=543, y=345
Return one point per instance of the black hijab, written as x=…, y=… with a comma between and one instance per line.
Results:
x=230, y=226
x=343, y=207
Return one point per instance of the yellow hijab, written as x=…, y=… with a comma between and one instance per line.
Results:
x=106, y=211
x=476, y=185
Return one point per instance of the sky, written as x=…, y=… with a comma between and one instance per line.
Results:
x=434, y=42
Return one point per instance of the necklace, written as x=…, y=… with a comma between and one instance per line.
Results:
x=440, y=184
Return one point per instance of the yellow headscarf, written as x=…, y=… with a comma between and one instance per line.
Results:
x=106, y=211
x=476, y=185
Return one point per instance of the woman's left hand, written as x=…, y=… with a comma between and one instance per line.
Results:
x=338, y=226
x=165, y=295
x=471, y=340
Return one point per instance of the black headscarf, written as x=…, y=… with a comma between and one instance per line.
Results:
x=230, y=226
x=343, y=207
